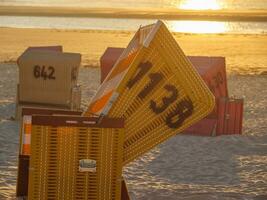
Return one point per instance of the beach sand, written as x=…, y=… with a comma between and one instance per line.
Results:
x=184, y=167
x=245, y=54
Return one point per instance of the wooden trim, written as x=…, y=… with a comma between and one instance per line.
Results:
x=30, y=104
x=45, y=111
x=23, y=176
x=77, y=121
x=124, y=190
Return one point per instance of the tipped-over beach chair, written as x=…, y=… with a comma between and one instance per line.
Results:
x=226, y=118
x=155, y=88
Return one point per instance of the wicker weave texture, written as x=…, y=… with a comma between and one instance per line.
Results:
x=55, y=160
x=180, y=93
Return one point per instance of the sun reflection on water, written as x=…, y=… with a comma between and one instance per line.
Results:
x=199, y=5
x=197, y=26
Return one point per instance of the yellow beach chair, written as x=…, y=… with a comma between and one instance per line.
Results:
x=155, y=88
x=75, y=158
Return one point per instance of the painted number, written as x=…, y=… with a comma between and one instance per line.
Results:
x=143, y=68
x=183, y=109
x=217, y=80
x=155, y=79
x=44, y=72
x=166, y=101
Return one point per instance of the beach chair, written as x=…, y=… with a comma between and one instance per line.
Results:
x=48, y=78
x=75, y=158
x=155, y=88
x=25, y=143
x=25, y=147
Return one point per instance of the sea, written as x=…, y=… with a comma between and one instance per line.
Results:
x=184, y=26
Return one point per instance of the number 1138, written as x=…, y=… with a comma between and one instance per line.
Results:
x=182, y=110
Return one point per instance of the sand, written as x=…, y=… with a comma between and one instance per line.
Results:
x=245, y=54
x=184, y=167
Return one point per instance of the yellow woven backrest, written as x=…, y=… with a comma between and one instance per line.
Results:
x=26, y=126
x=159, y=93
x=75, y=158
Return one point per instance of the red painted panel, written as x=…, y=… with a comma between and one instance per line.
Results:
x=221, y=110
x=230, y=116
x=239, y=116
x=205, y=127
x=108, y=59
x=213, y=72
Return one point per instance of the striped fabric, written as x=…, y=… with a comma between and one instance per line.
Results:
x=26, y=135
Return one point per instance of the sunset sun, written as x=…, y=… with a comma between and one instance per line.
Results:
x=199, y=5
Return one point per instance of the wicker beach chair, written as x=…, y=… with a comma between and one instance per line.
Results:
x=155, y=88
x=53, y=143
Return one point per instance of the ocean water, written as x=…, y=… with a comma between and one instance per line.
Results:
x=181, y=4
x=184, y=26
x=132, y=24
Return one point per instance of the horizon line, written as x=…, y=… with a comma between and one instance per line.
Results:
x=137, y=13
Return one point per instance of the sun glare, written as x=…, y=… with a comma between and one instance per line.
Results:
x=199, y=5
x=197, y=26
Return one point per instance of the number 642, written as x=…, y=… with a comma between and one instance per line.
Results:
x=44, y=72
